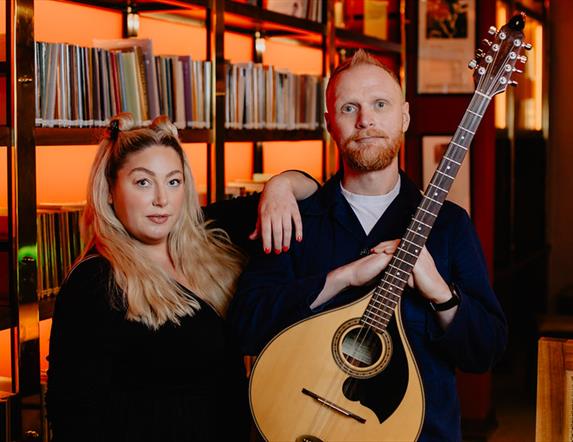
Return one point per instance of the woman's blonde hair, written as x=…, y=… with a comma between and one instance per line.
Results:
x=205, y=256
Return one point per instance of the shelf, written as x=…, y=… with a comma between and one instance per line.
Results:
x=241, y=17
x=272, y=135
x=63, y=136
x=146, y=5
x=351, y=39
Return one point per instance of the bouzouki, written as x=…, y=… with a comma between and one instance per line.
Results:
x=315, y=380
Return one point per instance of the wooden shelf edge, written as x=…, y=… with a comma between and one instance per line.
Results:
x=355, y=39
x=273, y=135
x=146, y=5
x=63, y=136
x=260, y=15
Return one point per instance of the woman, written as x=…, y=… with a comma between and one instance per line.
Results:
x=138, y=348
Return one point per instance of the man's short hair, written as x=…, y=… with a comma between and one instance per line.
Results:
x=360, y=57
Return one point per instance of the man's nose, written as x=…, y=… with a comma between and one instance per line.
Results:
x=365, y=119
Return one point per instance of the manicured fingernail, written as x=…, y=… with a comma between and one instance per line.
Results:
x=267, y=250
x=285, y=248
x=277, y=251
x=299, y=238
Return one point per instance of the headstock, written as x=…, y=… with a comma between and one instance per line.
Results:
x=495, y=63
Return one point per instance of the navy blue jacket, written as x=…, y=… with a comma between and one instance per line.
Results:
x=276, y=291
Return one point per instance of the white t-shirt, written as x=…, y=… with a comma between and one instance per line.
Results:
x=369, y=208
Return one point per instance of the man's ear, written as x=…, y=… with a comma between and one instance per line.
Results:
x=327, y=119
x=405, y=116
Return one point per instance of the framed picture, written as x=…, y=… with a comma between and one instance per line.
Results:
x=433, y=149
x=446, y=43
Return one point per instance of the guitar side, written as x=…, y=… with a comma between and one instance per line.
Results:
x=296, y=373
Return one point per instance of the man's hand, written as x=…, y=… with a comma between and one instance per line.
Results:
x=278, y=210
x=356, y=273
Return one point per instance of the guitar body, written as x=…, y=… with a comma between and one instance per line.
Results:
x=306, y=387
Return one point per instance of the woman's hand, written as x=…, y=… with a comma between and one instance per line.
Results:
x=278, y=210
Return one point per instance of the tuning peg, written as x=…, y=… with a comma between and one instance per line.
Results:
x=473, y=63
x=486, y=42
x=518, y=71
x=492, y=30
x=480, y=53
x=526, y=46
x=512, y=83
x=522, y=58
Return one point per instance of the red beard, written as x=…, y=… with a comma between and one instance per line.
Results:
x=370, y=157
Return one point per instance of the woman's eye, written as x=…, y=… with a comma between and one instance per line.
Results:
x=144, y=182
x=175, y=182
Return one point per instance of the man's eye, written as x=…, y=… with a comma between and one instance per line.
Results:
x=380, y=104
x=348, y=108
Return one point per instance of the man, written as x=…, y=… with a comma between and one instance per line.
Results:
x=351, y=229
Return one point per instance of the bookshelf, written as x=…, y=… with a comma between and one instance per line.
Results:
x=21, y=312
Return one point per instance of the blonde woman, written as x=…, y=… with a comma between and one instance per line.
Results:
x=138, y=349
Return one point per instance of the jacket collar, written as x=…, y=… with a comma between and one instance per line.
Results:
x=329, y=199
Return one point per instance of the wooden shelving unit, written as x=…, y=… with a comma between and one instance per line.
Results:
x=23, y=310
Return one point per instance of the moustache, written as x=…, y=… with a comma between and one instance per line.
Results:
x=369, y=133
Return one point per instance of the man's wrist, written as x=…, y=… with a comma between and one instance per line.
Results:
x=452, y=302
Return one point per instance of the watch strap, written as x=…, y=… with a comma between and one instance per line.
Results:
x=450, y=303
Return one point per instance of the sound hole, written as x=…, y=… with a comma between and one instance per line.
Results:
x=361, y=347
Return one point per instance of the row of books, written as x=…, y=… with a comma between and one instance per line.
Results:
x=308, y=9
x=59, y=244
x=83, y=86
x=263, y=97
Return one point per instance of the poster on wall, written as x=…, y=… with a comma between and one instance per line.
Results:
x=446, y=43
x=433, y=149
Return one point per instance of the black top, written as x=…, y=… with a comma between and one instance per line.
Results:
x=114, y=379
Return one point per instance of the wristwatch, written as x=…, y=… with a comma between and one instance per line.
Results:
x=450, y=303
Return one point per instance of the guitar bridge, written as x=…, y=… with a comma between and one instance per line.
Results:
x=333, y=406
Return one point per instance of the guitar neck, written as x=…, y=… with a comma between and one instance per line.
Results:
x=388, y=292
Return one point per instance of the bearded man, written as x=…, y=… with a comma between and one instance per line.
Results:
x=352, y=226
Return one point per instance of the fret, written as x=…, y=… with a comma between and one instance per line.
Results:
x=419, y=234
x=381, y=314
x=382, y=307
x=483, y=95
x=383, y=296
x=427, y=211
x=377, y=319
x=474, y=113
x=453, y=161
x=400, y=259
x=398, y=278
x=409, y=253
x=394, y=285
x=397, y=268
x=466, y=129
x=432, y=199
x=424, y=224
x=459, y=145
x=411, y=242
x=438, y=187
x=374, y=324
x=445, y=174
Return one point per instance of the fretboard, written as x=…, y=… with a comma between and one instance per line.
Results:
x=387, y=294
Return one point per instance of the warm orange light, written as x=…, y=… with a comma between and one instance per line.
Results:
x=171, y=38
x=284, y=155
